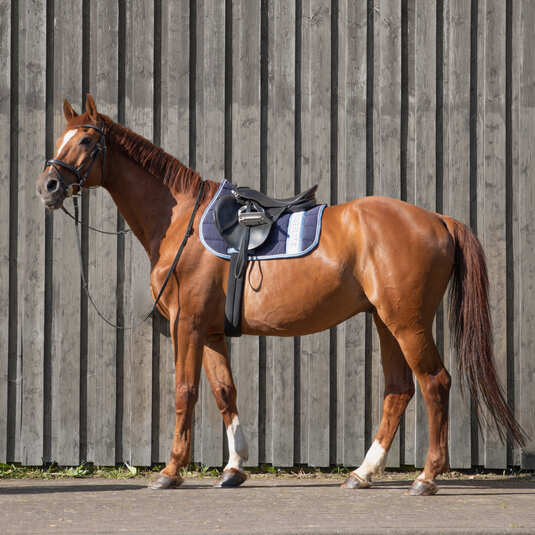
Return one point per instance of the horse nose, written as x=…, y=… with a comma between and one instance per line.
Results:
x=52, y=185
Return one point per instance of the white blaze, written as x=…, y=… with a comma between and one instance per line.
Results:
x=66, y=138
x=237, y=445
x=373, y=462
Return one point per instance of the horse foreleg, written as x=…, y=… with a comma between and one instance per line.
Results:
x=216, y=366
x=399, y=389
x=188, y=346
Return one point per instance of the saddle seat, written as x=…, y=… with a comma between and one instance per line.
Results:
x=244, y=220
x=244, y=193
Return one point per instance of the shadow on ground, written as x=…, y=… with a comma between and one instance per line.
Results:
x=61, y=487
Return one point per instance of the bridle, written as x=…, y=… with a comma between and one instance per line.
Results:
x=100, y=147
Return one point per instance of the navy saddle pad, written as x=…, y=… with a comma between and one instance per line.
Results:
x=293, y=235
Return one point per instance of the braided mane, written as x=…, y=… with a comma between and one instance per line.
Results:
x=178, y=177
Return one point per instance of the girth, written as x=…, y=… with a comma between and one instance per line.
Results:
x=244, y=219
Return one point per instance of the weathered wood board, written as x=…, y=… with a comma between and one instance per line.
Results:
x=102, y=252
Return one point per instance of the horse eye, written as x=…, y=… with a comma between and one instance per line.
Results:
x=85, y=141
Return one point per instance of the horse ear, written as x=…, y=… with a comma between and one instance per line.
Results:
x=68, y=110
x=90, y=107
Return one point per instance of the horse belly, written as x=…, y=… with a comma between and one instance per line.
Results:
x=294, y=297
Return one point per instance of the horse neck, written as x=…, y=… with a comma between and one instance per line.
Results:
x=143, y=200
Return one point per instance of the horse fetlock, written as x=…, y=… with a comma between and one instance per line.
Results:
x=436, y=467
x=373, y=463
x=237, y=445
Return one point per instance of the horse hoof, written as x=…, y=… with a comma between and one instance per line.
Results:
x=355, y=482
x=166, y=482
x=231, y=478
x=422, y=487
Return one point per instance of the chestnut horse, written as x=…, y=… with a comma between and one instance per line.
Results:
x=375, y=254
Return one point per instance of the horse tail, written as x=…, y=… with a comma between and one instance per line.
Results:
x=471, y=331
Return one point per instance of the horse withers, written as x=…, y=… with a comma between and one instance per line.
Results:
x=375, y=254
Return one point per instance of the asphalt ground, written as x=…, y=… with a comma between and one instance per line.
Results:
x=266, y=505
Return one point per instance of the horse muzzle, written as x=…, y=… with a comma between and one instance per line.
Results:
x=50, y=191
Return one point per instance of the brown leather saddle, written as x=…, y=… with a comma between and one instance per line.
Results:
x=244, y=220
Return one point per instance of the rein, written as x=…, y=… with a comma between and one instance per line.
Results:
x=94, y=229
x=188, y=233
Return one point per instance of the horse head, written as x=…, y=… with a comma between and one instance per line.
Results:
x=80, y=145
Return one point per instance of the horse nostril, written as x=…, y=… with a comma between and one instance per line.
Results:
x=52, y=185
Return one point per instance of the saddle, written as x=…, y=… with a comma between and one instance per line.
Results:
x=244, y=220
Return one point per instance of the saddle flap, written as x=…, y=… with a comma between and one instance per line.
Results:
x=226, y=220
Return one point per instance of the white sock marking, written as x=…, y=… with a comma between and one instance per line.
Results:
x=373, y=462
x=237, y=445
x=66, y=138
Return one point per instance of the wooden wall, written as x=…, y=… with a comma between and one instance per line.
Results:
x=431, y=102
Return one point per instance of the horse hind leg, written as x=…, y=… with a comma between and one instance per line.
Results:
x=217, y=369
x=399, y=389
x=424, y=359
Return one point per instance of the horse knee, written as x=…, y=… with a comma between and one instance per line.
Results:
x=185, y=398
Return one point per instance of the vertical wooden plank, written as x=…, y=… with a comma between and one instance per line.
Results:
x=421, y=186
x=410, y=424
x=376, y=373
x=66, y=302
x=388, y=96
x=246, y=172
x=280, y=183
x=5, y=213
x=387, y=101
x=478, y=83
x=515, y=57
x=138, y=342
x=457, y=193
x=352, y=75
x=526, y=205
x=315, y=162
x=175, y=140
x=491, y=198
x=5, y=148
x=102, y=251
x=31, y=242
x=175, y=78
x=210, y=100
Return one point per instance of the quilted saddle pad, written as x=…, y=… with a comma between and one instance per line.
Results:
x=293, y=235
